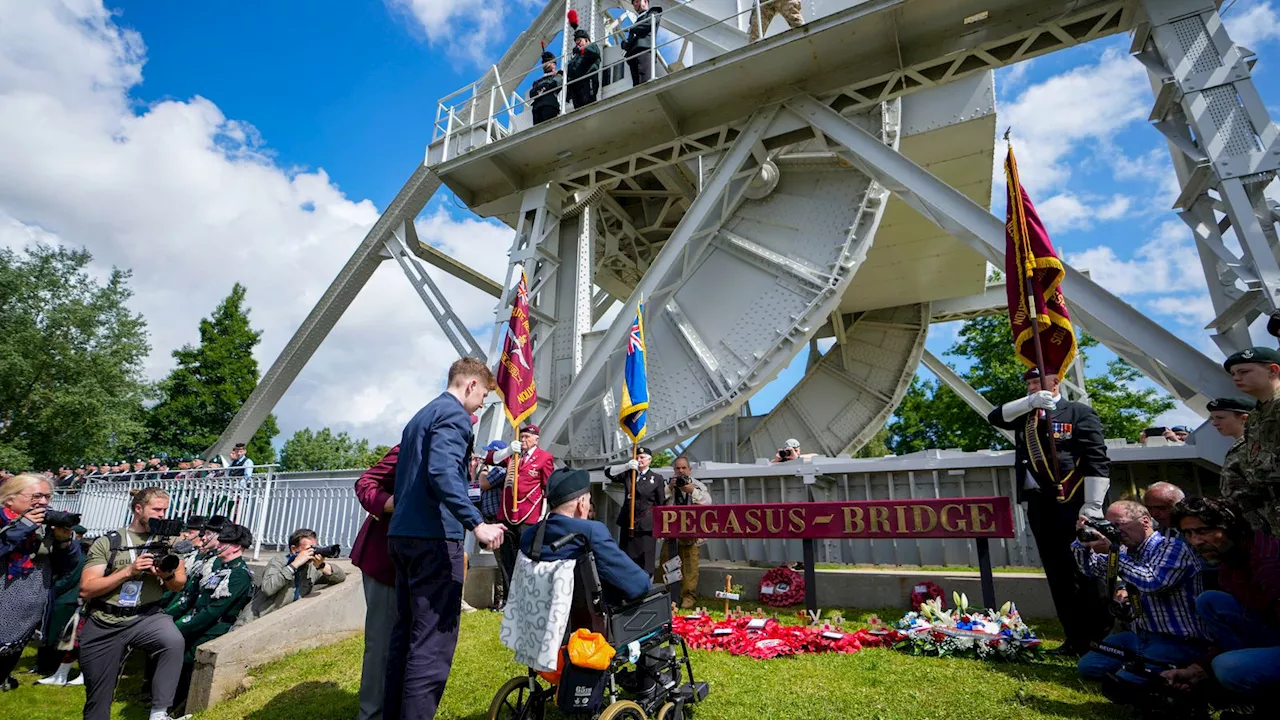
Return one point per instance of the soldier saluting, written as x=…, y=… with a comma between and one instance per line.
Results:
x=1256, y=372
x=650, y=491
x=1057, y=496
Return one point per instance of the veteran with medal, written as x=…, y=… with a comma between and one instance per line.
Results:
x=650, y=492
x=1056, y=496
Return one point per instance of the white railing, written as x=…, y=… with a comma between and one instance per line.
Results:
x=485, y=115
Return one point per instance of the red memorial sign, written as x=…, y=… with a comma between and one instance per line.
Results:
x=981, y=517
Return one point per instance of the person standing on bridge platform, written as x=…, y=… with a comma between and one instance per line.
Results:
x=638, y=43
x=583, y=70
x=788, y=9
x=544, y=94
x=1082, y=473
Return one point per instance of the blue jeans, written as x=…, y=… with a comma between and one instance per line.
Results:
x=1251, y=665
x=1160, y=649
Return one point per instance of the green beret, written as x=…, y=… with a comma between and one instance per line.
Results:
x=1259, y=355
x=565, y=485
x=1234, y=404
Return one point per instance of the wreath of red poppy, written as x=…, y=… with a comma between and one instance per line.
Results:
x=924, y=591
x=781, y=587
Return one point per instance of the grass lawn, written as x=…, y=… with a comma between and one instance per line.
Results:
x=872, y=684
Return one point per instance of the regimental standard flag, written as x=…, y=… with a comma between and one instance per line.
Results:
x=635, y=385
x=514, y=378
x=1033, y=268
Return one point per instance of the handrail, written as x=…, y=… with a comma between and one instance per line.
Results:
x=452, y=124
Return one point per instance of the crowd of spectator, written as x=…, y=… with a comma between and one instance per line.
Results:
x=149, y=469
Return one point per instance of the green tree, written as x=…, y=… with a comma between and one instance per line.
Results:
x=326, y=450
x=663, y=459
x=932, y=416
x=877, y=446
x=209, y=384
x=71, y=355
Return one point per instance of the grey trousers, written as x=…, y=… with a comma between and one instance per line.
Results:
x=379, y=618
x=102, y=650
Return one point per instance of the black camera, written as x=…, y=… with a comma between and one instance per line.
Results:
x=61, y=519
x=1098, y=529
x=329, y=551
x=169, y=555
x=170, y=527
x=787, y=453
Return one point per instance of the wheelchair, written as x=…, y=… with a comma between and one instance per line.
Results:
x=661, y=686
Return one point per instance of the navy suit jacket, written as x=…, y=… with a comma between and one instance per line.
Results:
x=431, y=474
x=622, y=579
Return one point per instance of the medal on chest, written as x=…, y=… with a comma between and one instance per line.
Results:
x=1060, y=431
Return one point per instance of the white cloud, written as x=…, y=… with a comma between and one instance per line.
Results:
x=1067, y=211
x=466, y=28
x=1165, y=265
x=1253, y=25
x=1192, y=311
x=188, y=199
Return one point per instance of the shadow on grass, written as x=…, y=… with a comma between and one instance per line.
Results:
x=311, y=700
x=1092, y=710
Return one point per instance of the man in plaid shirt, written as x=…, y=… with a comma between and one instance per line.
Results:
x=1160, y=579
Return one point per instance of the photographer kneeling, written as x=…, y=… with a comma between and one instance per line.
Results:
x=292, y=576
x=1158, y=599
x=123, y=581
x=33, y=558
x=1243, y=617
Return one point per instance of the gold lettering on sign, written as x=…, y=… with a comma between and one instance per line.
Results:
x=668, y=517
x=917, y=518
x=686, y=523
x=797, y=520
x=769, y=522
x=978, y=512
x=754, y=526
x=956, y=526
x=710, y=529
x=853, y=523
x=731, y=524
x=902, y=520
x=879, y=518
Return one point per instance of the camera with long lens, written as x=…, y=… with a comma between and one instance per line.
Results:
x=787, y=453
x=169, y=555
x=61, y=519
x=327, y=551
x=1098, y=529
x=1140, y=685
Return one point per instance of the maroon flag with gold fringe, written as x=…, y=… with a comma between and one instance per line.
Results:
x=1033, y=271
x=514, y=378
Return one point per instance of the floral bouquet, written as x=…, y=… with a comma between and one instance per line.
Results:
x=967, y=632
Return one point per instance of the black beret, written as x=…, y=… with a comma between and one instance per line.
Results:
x=1234, y=404
x=235, y=535
x=548, y=57
x=580, y=33
x=1259, y=355
x=1273, y=324
x=642, y=450
x=216, y=523
x=567, y=484
x=196, y=522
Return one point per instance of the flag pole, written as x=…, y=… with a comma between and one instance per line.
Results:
x=513, y=474
x=633, y=487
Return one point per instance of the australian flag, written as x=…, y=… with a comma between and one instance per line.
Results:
x=635, y=385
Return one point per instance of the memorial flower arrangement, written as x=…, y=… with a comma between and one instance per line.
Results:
x=763, y=637
x=967, y=632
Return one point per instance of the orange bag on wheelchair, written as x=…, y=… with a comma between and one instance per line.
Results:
x=590, y=650
x=582, y=679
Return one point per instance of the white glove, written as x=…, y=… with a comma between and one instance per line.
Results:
x=1042, y=400
x=1095, y=491
x=503, y=454
x=624, y=467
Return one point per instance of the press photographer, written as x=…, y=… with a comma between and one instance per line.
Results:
x=1243, y=617
x=123, y=583
x=685, y=490
x=292, y=576
x=1154, y=581
x=36, y=552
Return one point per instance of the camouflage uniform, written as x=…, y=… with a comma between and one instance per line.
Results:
x=1259, y=483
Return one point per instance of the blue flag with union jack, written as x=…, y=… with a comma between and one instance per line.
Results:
x=635, y=385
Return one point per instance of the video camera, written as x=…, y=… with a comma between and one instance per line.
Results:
x=1098, y=529
x=328, y=551
x=169, y=554
x=1150, y=694
x=61, y=519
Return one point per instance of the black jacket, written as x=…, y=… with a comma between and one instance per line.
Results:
x=545, y=91
x=583, y=62
x=1082, y=450
x=651, y=491
x=638, y=37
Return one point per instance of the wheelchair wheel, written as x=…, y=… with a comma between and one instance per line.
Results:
x=668, y=711
x=514, y=701
x=623, y=710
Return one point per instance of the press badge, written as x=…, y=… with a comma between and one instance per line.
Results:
x=130, y=591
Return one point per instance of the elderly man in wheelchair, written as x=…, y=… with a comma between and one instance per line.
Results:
x=579, y=613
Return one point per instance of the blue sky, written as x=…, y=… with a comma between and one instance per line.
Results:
x=200, y=147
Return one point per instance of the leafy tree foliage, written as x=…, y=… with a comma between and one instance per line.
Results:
x=71, y=356
x=209, y=384
x=326, y=450
x=932, y=416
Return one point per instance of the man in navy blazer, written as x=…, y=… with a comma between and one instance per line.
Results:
x=432, y=515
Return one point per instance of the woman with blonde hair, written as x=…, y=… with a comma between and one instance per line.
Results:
x=31, y=557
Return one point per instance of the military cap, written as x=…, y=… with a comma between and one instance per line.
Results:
x=235, y=535
x=196, y=522
x=548, y=57
x=1180, y=428
x=1234, y=404
x=642, y=450
x=580, y=33
x=567, y=484
x=531, y=429
x=216, y=523
x=80, y=530
x=1259, y=355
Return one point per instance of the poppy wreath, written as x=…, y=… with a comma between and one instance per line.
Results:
x=924, y=592
x=781, y=586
